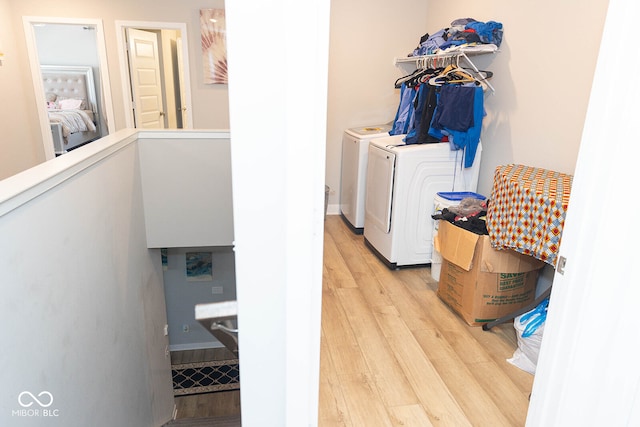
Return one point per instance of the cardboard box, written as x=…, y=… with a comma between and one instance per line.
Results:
x=481, y=283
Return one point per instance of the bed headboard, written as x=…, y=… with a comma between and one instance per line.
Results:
x=70, y=82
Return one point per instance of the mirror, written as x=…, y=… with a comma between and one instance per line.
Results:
x=72, y=106
x=68, y=56
x=154, y=57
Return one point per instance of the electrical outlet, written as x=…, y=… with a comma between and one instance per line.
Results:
x=217, y=290
x=166, y=352
x=185, y=328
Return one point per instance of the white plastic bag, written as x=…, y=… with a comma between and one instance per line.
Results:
x=529, y=330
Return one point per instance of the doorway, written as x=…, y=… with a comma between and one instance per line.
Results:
x=68, y=42
x=154, y=63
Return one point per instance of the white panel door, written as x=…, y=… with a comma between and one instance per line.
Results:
x=184, y=120
x=146, y=83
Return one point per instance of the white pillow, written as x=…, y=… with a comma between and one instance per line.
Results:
x=69, y=104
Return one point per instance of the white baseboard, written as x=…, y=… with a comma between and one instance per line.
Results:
x=195, y=346
x=333, y=209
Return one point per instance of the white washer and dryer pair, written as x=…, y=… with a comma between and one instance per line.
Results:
x=401, y=184
x=355, y=151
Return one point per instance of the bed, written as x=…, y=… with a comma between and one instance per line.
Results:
x=71, y=105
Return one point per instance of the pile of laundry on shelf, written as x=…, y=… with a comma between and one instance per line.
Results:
x=440, y=101
x=463, y=31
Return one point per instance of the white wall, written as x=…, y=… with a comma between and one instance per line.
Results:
x=533, y=118
x=278, y=196
x=183, y=294
x=210, y=102
x=188, y=205
x=18, y=118
x=186, y=177
x=83, y=304
x=543, y=74
x=65, y=44
x=588, y=372
x=537, y=113
x=365, y=38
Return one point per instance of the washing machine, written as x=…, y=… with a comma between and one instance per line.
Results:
x=355, y=150
x=401, y=183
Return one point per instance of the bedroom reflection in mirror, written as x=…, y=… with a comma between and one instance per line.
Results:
x=72, y=106
x=70, y=69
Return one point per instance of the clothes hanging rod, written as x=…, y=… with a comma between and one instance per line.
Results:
x=425, y=60
x=459, y=51
x=421, y=58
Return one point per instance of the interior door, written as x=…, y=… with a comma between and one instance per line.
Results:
x=146, y=82
x=183, y=94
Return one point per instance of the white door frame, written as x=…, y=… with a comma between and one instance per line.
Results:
x=278, y=167
x=588, y=371
x=124, y=64
x=32, y=52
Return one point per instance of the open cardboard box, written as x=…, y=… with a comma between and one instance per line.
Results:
x=479, y=282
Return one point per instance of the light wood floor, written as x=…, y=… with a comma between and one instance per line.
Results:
x=392, y=354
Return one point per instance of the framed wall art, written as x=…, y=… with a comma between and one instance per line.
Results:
x=199, y=266
x=214, y=45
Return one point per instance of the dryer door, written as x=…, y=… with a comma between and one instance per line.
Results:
x=380, y=173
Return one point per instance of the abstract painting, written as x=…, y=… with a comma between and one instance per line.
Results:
x=199, y=266
x=214, y=45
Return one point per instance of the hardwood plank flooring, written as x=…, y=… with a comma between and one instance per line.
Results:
x=393, y=354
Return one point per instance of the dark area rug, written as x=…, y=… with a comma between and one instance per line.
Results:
x=205, y=377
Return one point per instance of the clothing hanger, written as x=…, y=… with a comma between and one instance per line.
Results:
x=417, y=77
x=403, y=79
x=482, y=77
x=460, y=76
x=452, y=74
x=479, y=74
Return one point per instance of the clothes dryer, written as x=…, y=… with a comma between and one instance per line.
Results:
x=401, y=183
x=355, y=151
